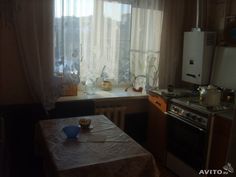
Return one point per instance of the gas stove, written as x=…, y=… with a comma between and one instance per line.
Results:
x=189, y=129
x=188, y=125
x=196, y=104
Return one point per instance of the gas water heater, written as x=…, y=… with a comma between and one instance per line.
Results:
x=198, y=52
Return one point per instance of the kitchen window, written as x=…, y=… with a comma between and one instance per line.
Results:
x=116, y=40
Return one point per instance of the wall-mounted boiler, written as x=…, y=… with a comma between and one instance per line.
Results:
x=198, y=52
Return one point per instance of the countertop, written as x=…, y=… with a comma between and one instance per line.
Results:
x=178, y=92
x=120, y=93
x=229, y=114
x=115, y=93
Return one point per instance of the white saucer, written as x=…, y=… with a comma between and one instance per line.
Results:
x=89, y=128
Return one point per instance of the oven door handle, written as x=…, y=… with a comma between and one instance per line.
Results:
x=182, y=120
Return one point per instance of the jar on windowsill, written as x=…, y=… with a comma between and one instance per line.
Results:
x=106, y=85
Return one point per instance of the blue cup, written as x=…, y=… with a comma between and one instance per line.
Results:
x=71, y=131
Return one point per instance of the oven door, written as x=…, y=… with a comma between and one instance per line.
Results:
x=186, y=141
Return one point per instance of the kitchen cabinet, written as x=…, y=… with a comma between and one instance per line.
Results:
x=156, y=134
x=220, y=142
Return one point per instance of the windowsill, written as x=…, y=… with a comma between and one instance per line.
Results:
x=115, y=93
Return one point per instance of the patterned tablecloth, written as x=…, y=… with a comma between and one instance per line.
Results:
x=103, y=151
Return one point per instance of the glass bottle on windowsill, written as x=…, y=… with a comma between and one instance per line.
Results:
x=90, y=87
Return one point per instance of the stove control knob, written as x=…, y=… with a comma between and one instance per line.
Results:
x=194, y=117
x=199, y=119
x=176, y=109
x=188, y=114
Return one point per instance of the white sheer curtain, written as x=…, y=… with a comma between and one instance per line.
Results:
x=147, y=18
x=110, y=39
x=92, y=39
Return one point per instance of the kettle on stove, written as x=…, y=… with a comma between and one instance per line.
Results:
x=210, y=95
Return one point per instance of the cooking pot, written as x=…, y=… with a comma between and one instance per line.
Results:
x=210, y=95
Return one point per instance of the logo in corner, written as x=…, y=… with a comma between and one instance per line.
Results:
x=228, y=168
x=225, y=171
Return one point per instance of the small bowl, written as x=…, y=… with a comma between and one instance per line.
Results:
x=71, y=131
x=84, y=123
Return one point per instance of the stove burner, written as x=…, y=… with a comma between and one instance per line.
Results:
x=177, y=93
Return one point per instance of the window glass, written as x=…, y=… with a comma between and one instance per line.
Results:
x=106, y=40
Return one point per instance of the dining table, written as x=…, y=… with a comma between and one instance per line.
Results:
x=102, y=150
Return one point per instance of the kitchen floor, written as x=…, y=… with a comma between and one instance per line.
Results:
x=164, y=172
